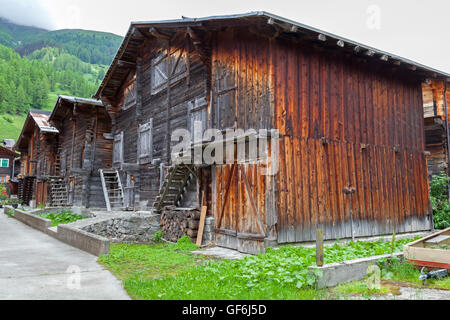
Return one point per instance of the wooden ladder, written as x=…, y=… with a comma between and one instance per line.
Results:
x=59, y=192
x=174, y=187
x=58, y=162
x=112, y=189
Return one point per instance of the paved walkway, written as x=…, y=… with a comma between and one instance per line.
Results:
x=34, y=266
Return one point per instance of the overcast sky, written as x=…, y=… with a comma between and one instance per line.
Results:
x=410, y=28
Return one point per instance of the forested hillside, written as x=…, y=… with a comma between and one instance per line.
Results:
x=90, y=46
x=26, y=83
x=36, y=65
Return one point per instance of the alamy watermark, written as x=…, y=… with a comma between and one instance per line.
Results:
x=214, y=147
x=373, y=21
x=74, y=278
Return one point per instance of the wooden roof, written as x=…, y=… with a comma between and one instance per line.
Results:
x=4, y=150
x=63, y=102
x=262, y=22
x=37, y=118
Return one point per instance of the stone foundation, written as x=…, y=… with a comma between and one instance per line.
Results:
x=128, y=228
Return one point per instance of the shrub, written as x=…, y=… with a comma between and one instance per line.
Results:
x=62, y=218
x=157, y=237
x=439, y=200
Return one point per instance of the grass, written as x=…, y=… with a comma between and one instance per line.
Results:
x=172, y=272
x=62, y=218
x=401, y=271
x=358, y=288
x=11, y=126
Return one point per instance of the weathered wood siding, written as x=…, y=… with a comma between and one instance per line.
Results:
x=173, y=104
x=373, y=121
x=435, y=126
x=84, y=149
x=344, y=124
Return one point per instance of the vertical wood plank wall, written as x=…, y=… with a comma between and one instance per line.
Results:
x=344, y=124
x=372, y=123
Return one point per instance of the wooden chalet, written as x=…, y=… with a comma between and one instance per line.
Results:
x=84, y=146
x=37, y=146
x=7, y=163
x=435, y=97
x=350, y=117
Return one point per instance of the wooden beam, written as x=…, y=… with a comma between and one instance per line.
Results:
x=319, y=248
x=201, y=227
x=154, y=32
x=126, y=64
x=322, y=37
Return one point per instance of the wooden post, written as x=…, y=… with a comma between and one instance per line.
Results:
x=319, y=248
x=201, y=227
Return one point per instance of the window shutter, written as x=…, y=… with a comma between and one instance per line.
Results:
x=118, y=148
x=160, y=70
x=146, y=143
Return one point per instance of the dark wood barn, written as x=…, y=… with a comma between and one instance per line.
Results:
x=37, y=146
x=350, y=118
x=84, y=147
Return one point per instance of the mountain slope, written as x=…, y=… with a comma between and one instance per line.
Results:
x=90, y=46
x=70, y=62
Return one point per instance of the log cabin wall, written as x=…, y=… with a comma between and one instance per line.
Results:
x=37, y=147
x=344, y=124
x=147, y=101
x=84, y=147
x=435, y=126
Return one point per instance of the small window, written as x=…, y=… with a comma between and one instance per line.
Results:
x=145, y=145
x=4, y=163
x=130, y=96
x=118, y=149
x=160, y=70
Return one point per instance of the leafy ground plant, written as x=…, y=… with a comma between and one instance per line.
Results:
x=62, y=218
x=166, y=271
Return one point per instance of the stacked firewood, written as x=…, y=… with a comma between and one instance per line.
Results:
x=177, y=223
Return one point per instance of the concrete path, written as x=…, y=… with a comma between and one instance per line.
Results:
x=34, y=266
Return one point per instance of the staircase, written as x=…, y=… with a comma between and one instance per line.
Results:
x=112, y=189
x=175, y=185
x=25, y=189
x=59, y=192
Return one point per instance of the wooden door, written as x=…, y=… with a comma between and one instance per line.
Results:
x=239, y=198
x=41, y=193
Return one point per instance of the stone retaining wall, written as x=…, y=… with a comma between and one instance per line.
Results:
x=134, y=228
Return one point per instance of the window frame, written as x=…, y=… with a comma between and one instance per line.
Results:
x=1, y=163
x=174, y=76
